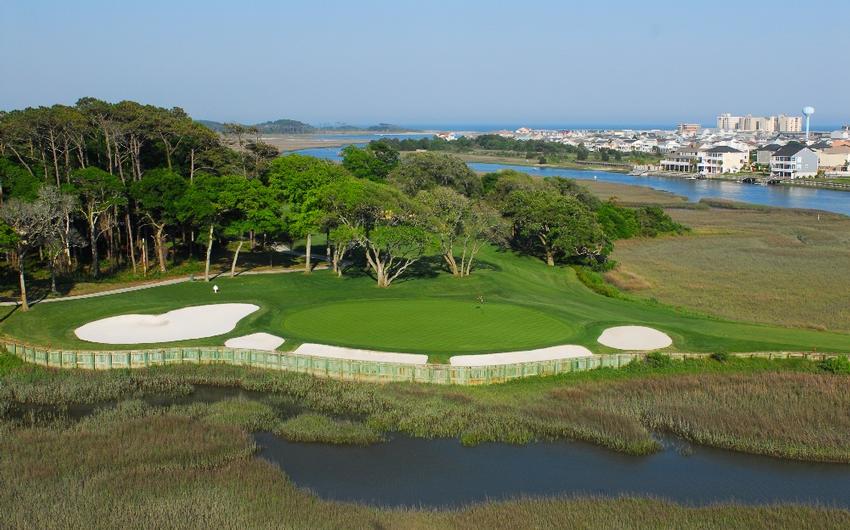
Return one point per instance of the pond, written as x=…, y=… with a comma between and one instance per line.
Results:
x=442, y=473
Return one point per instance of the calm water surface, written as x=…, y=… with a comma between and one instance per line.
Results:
x=442, y=473
x=694, y=190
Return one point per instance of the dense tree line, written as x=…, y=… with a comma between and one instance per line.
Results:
x=125, y=186
x=540, y=150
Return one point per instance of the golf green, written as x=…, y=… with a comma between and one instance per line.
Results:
x=446, y=325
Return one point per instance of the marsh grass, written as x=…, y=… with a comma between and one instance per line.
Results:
x=65, y=480
x=312, y=427
x=790, y=408
x=774, y=266
x=134, y=464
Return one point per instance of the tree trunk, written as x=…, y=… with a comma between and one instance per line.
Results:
x=95, y=264
x=209, y=251
x=550, y=258
x=235, y=257
x=192, y=166
x=53, y=288
x=160, y=247
x=24, y=305
x=452, y=263
x=307, y=264
x=130, y=241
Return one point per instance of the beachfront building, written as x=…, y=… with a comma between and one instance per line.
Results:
x=750, y=123
x=684, y=160
x=793, y=160
x=722, y=159
x=689, y=129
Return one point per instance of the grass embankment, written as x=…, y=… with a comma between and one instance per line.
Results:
x=138, y=464
x=352, y=312
x=770, y=265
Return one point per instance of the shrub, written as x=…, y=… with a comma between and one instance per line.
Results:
x=835, y=365
x=658, y=359
x=720, y=356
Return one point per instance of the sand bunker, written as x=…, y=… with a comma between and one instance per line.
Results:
x=256, y=341
x=337, y=352
x=636, y=338
x=181, y=324
x=567, y=351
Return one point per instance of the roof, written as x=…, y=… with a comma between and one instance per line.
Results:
x=723, y=149
x=838, y=150
x=769, y=147
x=789, y=149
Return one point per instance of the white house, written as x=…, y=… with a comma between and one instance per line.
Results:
x=722, y=159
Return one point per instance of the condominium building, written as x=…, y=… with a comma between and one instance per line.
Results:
x=687, y=129
x=750, y=123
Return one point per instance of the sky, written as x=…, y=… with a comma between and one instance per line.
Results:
x=436, y=62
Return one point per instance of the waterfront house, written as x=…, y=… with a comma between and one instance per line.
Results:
x=684, y=160
x=722, y=159
x=793, y=160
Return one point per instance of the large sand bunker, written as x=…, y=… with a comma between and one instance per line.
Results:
x=256, y=341
x=194, y=322
x=567, y=351
x=637, y=338
x=337, y=352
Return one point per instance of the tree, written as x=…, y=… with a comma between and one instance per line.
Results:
x=27, y=226
x=99, y=193
x=425, y=171
x=382, y=221
x=373, y=162
x=459, y=222
x=296, y=180
x=159, y=195
x=582, y=152
x=60, y=236
x=557, y=227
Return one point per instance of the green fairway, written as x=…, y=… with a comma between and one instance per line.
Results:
x=526, y=305
x=444, y=325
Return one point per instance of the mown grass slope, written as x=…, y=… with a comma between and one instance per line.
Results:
x=575, y=314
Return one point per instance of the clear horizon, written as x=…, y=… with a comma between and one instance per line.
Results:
x=659, y=63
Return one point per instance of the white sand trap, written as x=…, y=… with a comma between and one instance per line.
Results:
x=566, y=351
x=337, y=352
x=194, y=322
x=256, y=341
x=636, y=338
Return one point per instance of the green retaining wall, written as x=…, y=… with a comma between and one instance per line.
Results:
x=345, y=369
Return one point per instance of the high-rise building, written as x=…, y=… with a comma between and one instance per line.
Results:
x=750, y=123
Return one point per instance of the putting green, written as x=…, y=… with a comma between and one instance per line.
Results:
x=428, y=325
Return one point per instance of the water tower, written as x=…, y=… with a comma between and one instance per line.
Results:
x=807, y=112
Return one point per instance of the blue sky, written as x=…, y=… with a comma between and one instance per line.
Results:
x=435, y=62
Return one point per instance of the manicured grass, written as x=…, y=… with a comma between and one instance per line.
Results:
x=773, y=266
x=504, y=279
x=443, y=325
